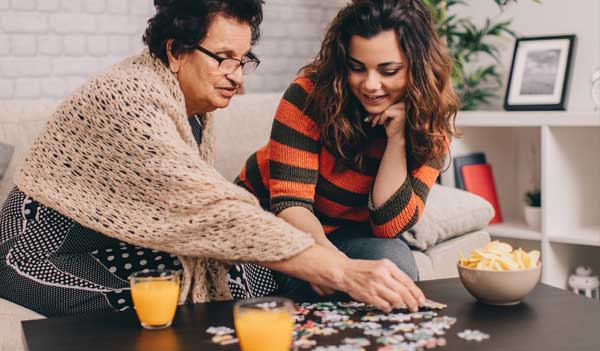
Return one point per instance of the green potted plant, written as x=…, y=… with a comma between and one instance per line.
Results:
x=533, y=209
x=475, y=83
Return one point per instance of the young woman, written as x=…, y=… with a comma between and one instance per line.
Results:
x=361, y=135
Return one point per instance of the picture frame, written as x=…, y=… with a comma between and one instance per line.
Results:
x=539, y=73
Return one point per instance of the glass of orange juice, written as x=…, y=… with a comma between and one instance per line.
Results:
x=155, y=294
x=264, y=324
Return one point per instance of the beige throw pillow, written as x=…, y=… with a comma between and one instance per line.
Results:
x=449, y=212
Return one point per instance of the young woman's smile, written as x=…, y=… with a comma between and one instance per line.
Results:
x=377, y=71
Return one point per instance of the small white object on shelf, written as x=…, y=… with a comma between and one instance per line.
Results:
x=582, y=282
x=533, y=217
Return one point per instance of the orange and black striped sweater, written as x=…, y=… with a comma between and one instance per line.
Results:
x=296, y=169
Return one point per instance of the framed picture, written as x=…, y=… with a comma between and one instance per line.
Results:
x=539, y=73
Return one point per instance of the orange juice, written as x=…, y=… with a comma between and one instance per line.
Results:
x=155, y=301
x=261, y=330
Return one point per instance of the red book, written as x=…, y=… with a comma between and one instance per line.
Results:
x=479, y=180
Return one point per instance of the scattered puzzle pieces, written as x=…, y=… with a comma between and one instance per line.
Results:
x=434, y=305
x=473, y=335
x=220, y=330
x=397, y=331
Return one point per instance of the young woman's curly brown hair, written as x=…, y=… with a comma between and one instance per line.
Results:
x=430, y=100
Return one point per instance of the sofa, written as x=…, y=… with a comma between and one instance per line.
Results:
x=454, y=221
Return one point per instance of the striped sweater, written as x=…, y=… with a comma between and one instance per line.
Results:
x=296, y=169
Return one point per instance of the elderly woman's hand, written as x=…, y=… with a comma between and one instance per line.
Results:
x=324, y=290
x=382, y=284
x=377, y=282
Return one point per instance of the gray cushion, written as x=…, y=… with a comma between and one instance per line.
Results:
x=449, y=212
x=6, y=152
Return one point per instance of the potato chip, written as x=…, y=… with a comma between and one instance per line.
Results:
x=535, y=257
x=497, y=247
x=499, y=256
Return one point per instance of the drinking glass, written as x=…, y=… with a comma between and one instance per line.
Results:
x=155, y=294
x=264, y=324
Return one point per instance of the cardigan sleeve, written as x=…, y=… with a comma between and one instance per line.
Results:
x=293, y=151
x=114, y=159
x=405, y=207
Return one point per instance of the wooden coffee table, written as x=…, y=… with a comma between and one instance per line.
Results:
x=548, y=319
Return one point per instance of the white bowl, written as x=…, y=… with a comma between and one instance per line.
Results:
x=499, y=287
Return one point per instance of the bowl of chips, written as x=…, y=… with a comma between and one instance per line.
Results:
x=498, y=275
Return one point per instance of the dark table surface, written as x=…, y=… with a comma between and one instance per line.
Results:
x=548, y=319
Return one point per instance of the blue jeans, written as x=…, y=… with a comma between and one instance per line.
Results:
x=355, y=244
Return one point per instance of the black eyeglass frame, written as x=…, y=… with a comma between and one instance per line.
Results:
x=219, y=59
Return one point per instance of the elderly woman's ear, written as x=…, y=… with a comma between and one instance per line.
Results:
x=174, y=60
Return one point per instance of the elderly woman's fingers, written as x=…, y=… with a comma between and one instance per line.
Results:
x=396, y=296
x=374, y=280
x=373, y=296
x=405, y=280
x=408, y=298
x=402, y=294
x=380, y=303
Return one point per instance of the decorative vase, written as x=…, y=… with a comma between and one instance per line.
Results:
x=533, y=217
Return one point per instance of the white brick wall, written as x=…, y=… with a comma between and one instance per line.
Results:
x=49, y=47
x=291, y=37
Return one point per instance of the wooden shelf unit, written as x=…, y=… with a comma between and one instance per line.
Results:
x=527, y=119
x=515, y=230
x=557, y=151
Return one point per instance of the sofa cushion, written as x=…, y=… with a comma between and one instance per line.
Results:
x=6, y=152
x=241, y=129
x=424, y=265
x=20, y=123
x=449, y=212
x=11, y=332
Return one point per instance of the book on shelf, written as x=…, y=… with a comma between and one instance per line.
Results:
x=468, y=159
x=479, y=180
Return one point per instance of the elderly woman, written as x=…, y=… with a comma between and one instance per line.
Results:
x=122, y=180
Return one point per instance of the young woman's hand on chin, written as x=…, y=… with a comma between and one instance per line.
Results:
x=392, y=119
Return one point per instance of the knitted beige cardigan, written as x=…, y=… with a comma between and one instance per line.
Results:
x=119, y=157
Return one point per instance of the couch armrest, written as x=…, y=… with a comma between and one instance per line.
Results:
x=444, y=256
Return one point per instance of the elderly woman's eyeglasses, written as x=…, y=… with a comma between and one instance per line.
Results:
x=230, y=65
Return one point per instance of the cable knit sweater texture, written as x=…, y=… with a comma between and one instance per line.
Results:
x=119, y=157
